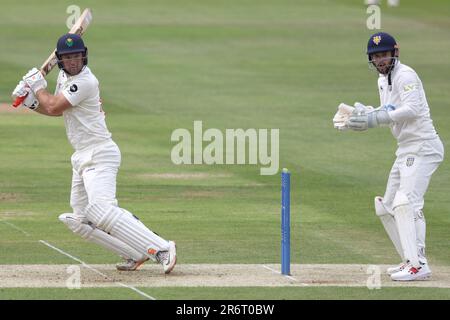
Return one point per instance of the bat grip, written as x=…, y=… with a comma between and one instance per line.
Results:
x=18, y=101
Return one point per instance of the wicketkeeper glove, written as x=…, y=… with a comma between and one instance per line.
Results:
x=361, y=120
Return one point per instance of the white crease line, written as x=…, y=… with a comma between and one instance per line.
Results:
x=15, y=227
x=286, y=276
x=95, y=270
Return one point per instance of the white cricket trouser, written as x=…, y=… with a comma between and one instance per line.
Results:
x=411, y=174
x=94, y=176
x=94, y=181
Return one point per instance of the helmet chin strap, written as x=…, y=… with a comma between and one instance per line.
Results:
x=391, y=67
x=389, y=70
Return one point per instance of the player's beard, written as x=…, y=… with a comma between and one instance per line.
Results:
x=73, y=69
x=386, y=67
x=383, y=69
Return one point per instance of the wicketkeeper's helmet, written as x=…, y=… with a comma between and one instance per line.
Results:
x=70, y=43
x=383, y=42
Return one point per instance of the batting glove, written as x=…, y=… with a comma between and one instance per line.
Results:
x=35, y=80
x=31, y=102
x=21, y=90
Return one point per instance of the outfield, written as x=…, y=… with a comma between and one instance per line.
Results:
x=231, y=64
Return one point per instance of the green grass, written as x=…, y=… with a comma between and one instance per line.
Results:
x=231, y=293
x=231, y=64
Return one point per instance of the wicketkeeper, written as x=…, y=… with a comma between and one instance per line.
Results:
x=404, y=108
x=96, y=215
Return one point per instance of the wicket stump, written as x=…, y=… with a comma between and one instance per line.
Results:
x=285, y=222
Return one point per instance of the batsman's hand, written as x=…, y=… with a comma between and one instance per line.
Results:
x=35, y=80
x=21, y=90
x=31, y=102
x=341, y=117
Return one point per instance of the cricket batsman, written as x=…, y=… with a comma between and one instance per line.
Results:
x=404, y=108
x=96, y=215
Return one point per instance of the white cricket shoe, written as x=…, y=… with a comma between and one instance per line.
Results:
x=130, y=265
x=411, y=273
x=168, y=258
x=398, y=268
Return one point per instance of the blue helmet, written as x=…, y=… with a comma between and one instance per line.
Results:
x=381, y=42
x=68, y=44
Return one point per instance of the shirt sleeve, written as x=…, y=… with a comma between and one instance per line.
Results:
x=79, y=90
x=410, y=96
x=58, y=83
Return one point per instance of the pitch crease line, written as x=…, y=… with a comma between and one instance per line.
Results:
x=286, y=276
x=15, y=227
x=95, y=270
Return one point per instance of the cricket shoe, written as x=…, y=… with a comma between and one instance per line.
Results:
x=168, y=258
x=130, y=265
x=411, y=273
x=398, y=268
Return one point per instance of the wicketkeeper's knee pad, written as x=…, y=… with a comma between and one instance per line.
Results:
x=389, y=225
x=78, y=224
x=404, y=218
x=400, y=199
x=380, y=209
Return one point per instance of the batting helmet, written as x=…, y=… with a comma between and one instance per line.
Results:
x=68, y=44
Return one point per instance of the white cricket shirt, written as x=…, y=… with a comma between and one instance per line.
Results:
x=85, y=120
x=412, y=122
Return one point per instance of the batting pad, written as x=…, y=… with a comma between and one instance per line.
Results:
x=97, y=236
x=389, y=225
x=126, y=228
x=404, y=218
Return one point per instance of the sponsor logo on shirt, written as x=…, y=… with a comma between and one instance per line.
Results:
x=73, y=88
x=410, y=87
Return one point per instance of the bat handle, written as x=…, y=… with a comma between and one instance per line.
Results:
x=18, y=101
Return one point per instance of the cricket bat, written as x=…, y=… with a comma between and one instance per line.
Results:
x=79, y=28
